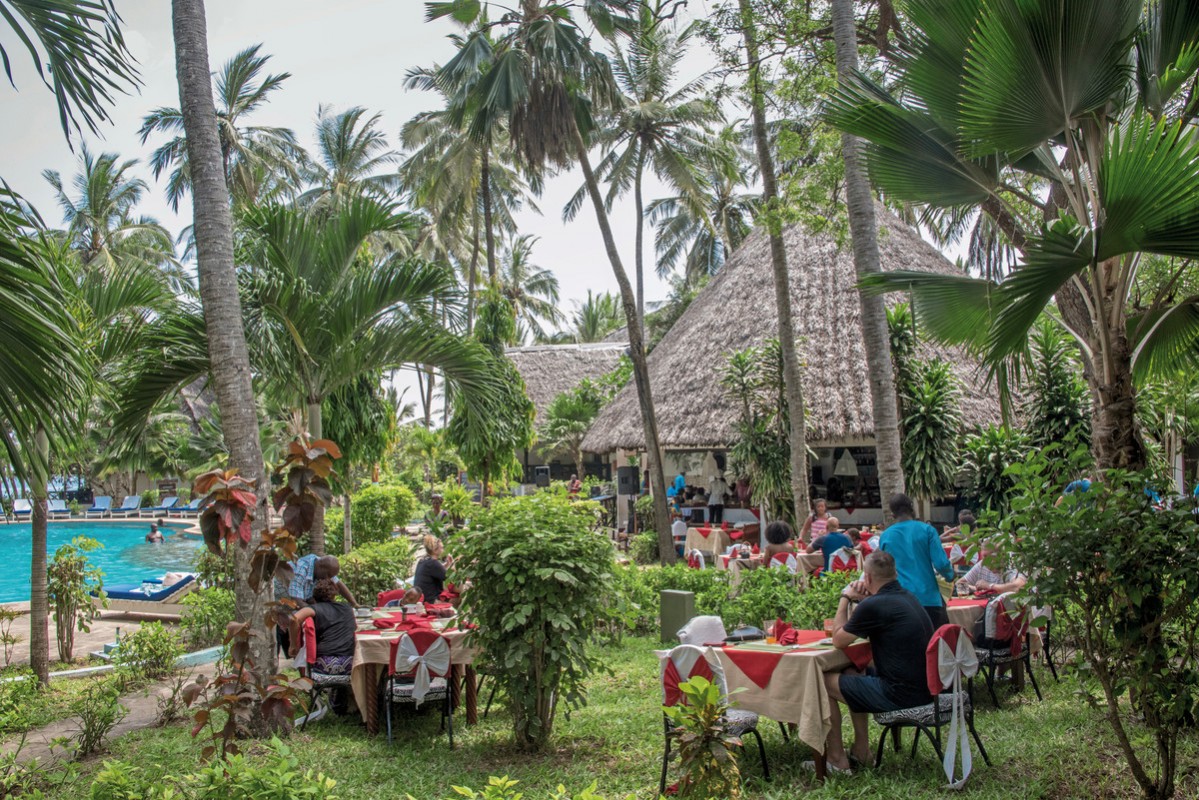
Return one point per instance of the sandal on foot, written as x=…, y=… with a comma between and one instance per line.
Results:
x=831, y=769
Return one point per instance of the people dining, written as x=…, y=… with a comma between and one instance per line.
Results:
x=965, y=526
x=830, y=542
x=429, y=578
x=778, y=539
x=335, y=626
x=919, y=557
x=817, y=522
x=983, y=578
x=898, y=629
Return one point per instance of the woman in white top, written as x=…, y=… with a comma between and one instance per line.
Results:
x=817, y=522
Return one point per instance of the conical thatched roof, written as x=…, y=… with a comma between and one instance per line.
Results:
x=551, y=369
x=737, y=310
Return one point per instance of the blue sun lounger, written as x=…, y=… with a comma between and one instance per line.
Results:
x=101, y=506
x=143, y=598
x=189, y=510
x=21, y=509
x=58, y=509
x=160, y=510
x=130, y=506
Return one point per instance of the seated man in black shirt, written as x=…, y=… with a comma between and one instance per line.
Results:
x=899, y=631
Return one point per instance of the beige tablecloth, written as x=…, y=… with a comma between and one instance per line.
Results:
x=372, y=651
x=965, y=616
x=717, y=541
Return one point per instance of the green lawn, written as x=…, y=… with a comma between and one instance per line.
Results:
x=1054, y=749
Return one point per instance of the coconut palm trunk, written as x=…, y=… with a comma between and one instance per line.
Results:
x=228, y=358
x=316, y=426
x=797, y=434
x=636, y=353
x=488, y=227
x=864, y=230
x=39, y=605
x=639, y=261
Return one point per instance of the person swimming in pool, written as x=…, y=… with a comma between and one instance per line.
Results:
x=155, y=536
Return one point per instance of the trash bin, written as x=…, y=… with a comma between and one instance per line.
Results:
x=677, y=609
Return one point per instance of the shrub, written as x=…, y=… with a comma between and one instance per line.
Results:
x=149, y=498
x=505, y=789
x=541, y=581
x=237, y=778
x=374, y=568
x=22, y=702
x=644, y=548
x=378, y=510
x=206, y=613
x=70, y=580
x=119, y=780
x=99, y=710
x=148, y=652
x=8, y=639
x=213, y=570
x=706, y=751
x=1122, y=578
x=769, y=594
x=335, y=530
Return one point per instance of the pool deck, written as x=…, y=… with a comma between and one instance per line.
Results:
x=103, y=630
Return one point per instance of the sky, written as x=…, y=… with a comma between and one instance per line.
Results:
x=340, y=52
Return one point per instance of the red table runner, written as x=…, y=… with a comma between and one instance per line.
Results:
x=966, y=602
x=759, y=665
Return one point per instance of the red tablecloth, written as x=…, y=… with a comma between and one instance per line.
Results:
x=759, y=665
x=966, y=602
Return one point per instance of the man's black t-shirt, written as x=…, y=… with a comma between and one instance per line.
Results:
x=429, y=578
x=335, y=626
x=899, y=630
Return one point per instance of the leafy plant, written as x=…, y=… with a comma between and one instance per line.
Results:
x=119, y=780
x=149, y=652
x=1058, y=405
x=1122, y=578
x=237, y=778
x=214, y=570
x=374, y=568
x=931, y=426
x=568, y=418
x=986, y=458
x=455, y=499
x=71, y=579
x=644, y=546
x=22, y=701
x=504, y=788
x=703, y=746
x=206, y=612
x=540, y=579
x=99, y=710
x=378, y=510
x=8, y=639
x=753, y=379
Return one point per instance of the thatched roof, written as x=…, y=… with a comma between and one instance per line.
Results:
x=737, y=310
x=551, y=369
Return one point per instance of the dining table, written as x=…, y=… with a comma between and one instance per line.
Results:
x=372, y=655
x=708, y=540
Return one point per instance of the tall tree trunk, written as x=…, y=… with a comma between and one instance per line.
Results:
x=636, y=353
x=1115, y=435
x=639, y=261
x=316, y=425
x=488, y=229
x=228, y=357
x=473, y=273
x=424, y=398
x=39, y=604
x=347, y=533
x=797, y=434
x=864, y=229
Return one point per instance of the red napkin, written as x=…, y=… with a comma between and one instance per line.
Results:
x=384, y=598
x=724, y=526
x=860, y=654
x=784, y=633
x=757, y=550
x=438, y=606
x=735, y=534
x=396, y=622
x=704, y=532
x=758, y=665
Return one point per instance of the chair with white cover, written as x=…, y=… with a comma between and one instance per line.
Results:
x=321, y=682
x=1001, y=639
x=843, y=560
x=787, y=560
x=695, y=559
x=683, y=663
x=949, y=660
x=423, y=656
x=705, y=630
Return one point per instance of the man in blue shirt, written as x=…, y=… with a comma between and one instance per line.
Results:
x=1080, y=486
x=832, y=541
x=919, y=557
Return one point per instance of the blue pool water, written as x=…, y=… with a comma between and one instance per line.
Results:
x=125, y=558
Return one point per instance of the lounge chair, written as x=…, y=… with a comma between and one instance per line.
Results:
x=58, y=509
x=101, y=506
x=21, y=508
x=160, y=510
x=191, y=509
x=129, y=507
x=140, y=598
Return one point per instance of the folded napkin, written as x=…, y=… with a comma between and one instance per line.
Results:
x=785, y=633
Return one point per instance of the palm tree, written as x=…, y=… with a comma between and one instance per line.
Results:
x=797, y=435
x=257, y=161
x=544, y=79
x=875, y=334
x=596, y=317
x=206, y=163
x=350, y=153
x=705, y=232
x=102, y=227
x=532, y=290
x=1068, y=124
x=653, y=125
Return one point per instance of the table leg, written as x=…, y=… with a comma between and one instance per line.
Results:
x=472, y=696
x=370, y=714
x=456, y=686
x=821, y=767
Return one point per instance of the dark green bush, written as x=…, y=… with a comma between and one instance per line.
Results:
x=374, y=568
x=377, y=510
x=206, y=613
x=22, y=702
x=644, y=548
x=149, y=652
x=335, y=530
x=541, y=583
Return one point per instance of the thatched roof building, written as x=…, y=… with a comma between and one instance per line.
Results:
x=736, y=310
x=551, y=369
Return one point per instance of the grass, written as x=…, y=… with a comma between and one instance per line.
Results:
x=1059, y=748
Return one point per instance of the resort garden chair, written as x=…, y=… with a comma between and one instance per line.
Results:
x=58, y=509
x=129, y=506
x=101, y=506
x=321, y=682
x=949, y=659
x=844, y=560
x=162, y=509
x=786, y=560
x=419, y=671
x=684, y=662
x=21, y=508
x=1002, y=639
x=144, y=598
x=191, y=509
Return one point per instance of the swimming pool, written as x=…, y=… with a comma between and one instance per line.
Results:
x=125, y=558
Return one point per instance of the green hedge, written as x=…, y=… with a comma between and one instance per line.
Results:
x=375, y=567
x=378, y=510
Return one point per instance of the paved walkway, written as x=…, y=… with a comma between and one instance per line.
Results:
x=103, y=630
